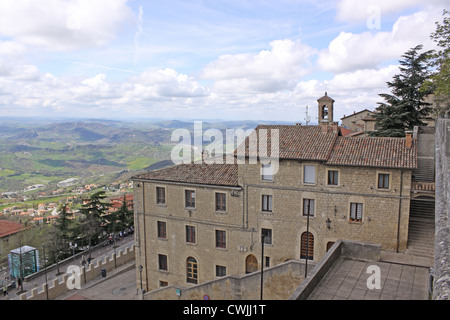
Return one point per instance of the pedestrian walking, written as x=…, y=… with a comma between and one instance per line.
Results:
x=83, y=261
x=5, y=290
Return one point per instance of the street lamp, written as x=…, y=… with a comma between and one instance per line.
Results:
x=140, y=274
x=262, y=264
x=45, y=271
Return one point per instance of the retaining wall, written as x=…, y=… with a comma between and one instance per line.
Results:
x=59, y=286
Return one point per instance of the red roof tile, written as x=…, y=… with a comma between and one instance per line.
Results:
x=210, y=174
x=295, y=142
x=301, y=143
x=9, y=227
x=379, y=152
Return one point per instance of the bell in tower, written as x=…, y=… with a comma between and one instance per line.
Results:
x=325, y=109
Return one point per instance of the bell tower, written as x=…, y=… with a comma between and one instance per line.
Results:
x=326, y=105
x=325, y=113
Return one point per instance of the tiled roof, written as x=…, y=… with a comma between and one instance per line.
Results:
x=374, y=152
x=210, y=174
x=295, y=142
x=301, y=143
x=9, y=227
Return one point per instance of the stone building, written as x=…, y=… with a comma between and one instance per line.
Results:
x=361, y=121
x=198, y=222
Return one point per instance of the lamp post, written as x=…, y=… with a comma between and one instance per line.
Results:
x=45, y=272
x=262, y=264
x=140, y=274
x=307, y=242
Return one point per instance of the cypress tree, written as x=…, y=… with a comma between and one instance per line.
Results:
x=405, y=106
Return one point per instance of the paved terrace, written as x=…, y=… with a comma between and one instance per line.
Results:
x=343, y=273
x=347, y=280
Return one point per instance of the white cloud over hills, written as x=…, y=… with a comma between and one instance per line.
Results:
x=139, y=78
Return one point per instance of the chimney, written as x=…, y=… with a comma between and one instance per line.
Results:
x=408, y=141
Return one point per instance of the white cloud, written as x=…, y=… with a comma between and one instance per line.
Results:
x=62, y=24
x=357, y=10
x=364, y=79
x=266, y=71
x=349, y=51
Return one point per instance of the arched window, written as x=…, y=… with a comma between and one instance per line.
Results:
x=251, y=264
x=191, y=270
x=307, y=246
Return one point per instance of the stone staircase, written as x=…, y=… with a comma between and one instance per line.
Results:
x=421, y=229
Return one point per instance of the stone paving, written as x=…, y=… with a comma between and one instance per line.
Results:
x=347, y=280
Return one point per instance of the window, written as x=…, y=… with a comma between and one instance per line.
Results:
x=333, y=176
x=308, y=207
x=383, y=181
x=221, y=241
x=267, y=262
x=162, y=230
x=191, y=270
x=160, y=195
x=221, y=202
x=267, y=172
x=190, y=234
x=267, y=234
x=356, y=210
x=309, y=174
x=307, y=246
x=162, y=262
x=190, y=198
x=266, y=203
x=163, y=283
x=221, y=271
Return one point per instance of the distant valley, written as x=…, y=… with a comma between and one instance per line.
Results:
x=45, y=152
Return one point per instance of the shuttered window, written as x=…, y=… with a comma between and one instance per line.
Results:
x=190, y=234
x=190, y=198
x=267, y=203
x=221, y=202
x=383, y=181
x=356, y=211
x=308, y=207
x=160, y=195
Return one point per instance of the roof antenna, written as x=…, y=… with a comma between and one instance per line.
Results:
x=307, y=118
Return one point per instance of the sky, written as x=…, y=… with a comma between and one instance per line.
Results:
x=204, y=59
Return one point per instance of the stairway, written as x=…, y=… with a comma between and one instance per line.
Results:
x=421, y=229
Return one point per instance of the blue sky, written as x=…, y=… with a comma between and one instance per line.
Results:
x=246, y=59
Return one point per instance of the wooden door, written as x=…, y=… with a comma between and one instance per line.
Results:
x=251, y=264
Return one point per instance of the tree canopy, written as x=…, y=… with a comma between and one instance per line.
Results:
x=405, y=107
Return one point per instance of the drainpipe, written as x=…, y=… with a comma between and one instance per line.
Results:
x=399, y=211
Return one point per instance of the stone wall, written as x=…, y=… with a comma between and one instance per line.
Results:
x=441, y=286
x=385, y=219
x=385, y=213
x=176, y=216
x=59, y=286
x=279, y=283
x=350, y=249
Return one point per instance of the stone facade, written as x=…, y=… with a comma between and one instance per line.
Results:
x=342, y=195
x=384, y=219
x=359, y=121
